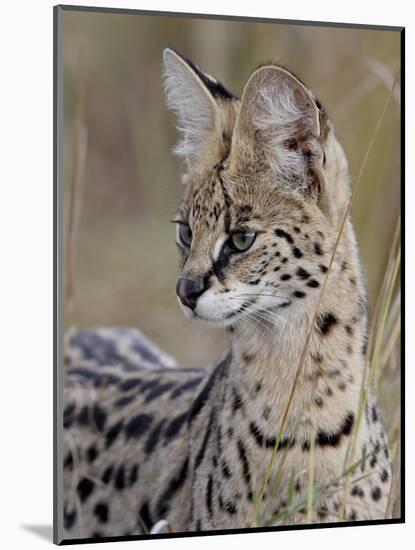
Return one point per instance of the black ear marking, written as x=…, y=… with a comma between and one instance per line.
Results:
x=215, y=88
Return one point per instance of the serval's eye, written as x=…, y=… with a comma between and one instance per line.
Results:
x=240, y=241
x=184, y=234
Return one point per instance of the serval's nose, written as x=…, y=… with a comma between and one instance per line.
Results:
x=188, y=290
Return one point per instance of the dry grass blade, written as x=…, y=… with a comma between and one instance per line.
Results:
x=268, y=472
x=311, y=474
x=395, y=485
x=383, y=72
x=80, y=141
x=385, y=283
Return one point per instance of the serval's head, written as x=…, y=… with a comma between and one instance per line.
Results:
x=264, y=188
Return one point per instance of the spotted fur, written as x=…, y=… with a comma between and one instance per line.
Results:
x=146, y=440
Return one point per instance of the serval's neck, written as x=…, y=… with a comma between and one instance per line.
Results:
x=328, y=357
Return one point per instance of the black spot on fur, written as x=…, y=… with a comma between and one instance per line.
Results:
x=209, y=491
x=312, y=283
x=297, y=252
x=285, y=277
x=119, y=479
x=284, y=235
x=133, y=474
x=352, y=515
x=384, y=476
x=231, y=508
x=68, y=461
x=149, y=385
x=202, y=398
x=91, y=453
x=130, y=384
x=299, y=294
x=107, y=475
x=138, y=425
x=189, y=385
x=322, y=268
x=85, y=488
x=175, y=425
x=101, y=512
x=159, y=390
x=302, y=273
x=112, y=433
x=175, y=483
x=237, y=400
x=99, y=416
x=325, y=322
x=364, y=346
x=357, y=491
x=154, y=437
x=226, y=470
x=317, y=249
x=68, y=415
x=69, y=517
x=244, y=461
x=124, y=401
x=201, y=454
x=84, y=416
x=269, y=442
x=99, y=379
x=332, y=439
x=376, y=493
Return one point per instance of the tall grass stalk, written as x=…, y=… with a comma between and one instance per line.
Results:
x=79, y=153
x=396, y=475
x=311, y=475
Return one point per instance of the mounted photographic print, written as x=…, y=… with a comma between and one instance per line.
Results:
x=228, y=274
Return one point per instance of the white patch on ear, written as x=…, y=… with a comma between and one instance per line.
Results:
x=282, y=110
x=193, y=104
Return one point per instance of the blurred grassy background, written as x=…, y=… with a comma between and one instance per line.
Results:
x=126, y=268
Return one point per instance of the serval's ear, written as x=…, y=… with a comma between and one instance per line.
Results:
x=279, y=127
x=196, y=98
